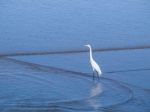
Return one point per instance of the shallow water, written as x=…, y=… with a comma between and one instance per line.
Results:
x=42, y=83
x=25, y=86
x=44, y=66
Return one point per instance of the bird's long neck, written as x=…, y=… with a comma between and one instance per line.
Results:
x=91, y=57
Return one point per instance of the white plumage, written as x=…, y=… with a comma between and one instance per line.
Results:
x=94, y=65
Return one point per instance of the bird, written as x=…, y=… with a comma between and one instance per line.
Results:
x=95, y=67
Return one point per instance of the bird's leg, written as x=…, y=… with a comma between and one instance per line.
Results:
x=93, y=75
x=97, y=75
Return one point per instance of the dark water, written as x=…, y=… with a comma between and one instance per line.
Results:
x=44, y=66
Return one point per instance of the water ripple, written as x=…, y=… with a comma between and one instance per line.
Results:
x=36, y=86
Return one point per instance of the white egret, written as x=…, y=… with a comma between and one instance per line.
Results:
x=94, y=65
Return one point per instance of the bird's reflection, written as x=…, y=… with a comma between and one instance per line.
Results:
x=95, y=92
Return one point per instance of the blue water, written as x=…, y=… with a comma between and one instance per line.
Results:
x=44, y=66
x=29, y=25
